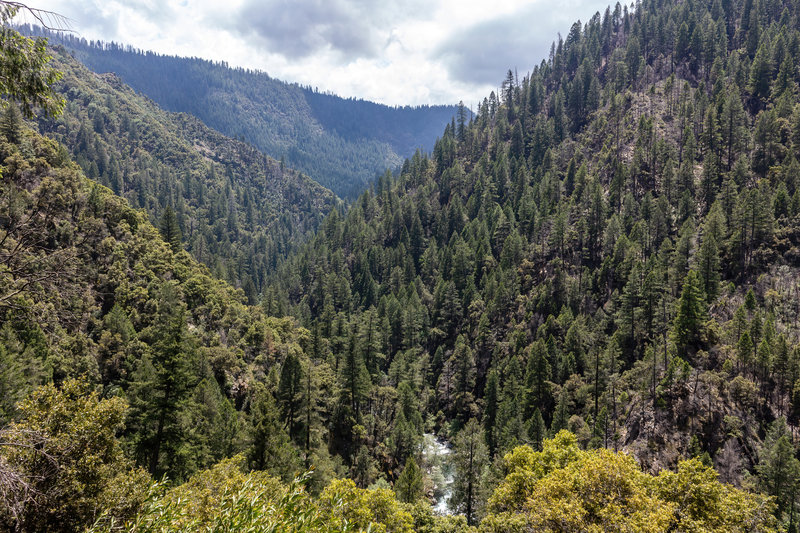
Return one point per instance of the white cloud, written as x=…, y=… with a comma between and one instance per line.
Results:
x=404, y=52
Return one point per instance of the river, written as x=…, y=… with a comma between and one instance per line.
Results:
x=437, y=460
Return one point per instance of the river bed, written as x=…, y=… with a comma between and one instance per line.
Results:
x=438, y=464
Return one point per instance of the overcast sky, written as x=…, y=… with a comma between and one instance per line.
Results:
x=401, y=52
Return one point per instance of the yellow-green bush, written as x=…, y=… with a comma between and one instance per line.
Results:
x=563, y=488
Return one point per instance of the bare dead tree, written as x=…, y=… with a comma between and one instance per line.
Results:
x=20, y=491
x=48, y=20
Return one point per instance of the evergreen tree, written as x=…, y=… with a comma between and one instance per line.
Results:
x=779, y=470
x=708, y=266
x=170, y=230
x=682, y=43
x=160, y=391
x=537, y=431
x=463, y=363
x=761, y=72
x=289, y=392
x=404, y=439
x=750, y=302
x=270, y=445
x=745, y=350
x=461, y=116
x=469, y=457
x=733, y=120
x=409, y=486
x=354, y=376
x=490, y=396
x=510, y=420
x=11, y=124
x=561, y=414
x=691, y=314
x=536, y=377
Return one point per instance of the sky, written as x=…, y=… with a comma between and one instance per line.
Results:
x=403, y=52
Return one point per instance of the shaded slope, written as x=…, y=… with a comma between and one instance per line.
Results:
x=612, y=246
x=239, y=211
x=88, y=289
x=343, y=144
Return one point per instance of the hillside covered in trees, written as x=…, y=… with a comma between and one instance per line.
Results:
x=236, y=210
x=611, y=247
x=343, y=144
x=591, y=288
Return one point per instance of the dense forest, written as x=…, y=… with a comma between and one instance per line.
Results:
x=236, y=210
x=590, y=288
x=611, y=246
x=343, y=144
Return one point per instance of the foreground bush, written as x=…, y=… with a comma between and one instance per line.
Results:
x=563, y=488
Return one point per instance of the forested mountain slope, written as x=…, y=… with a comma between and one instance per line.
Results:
x=238, y=211
x=343, y=144
x=150, y=366
x=89, y=290
x=611, y=246
x=122, y=359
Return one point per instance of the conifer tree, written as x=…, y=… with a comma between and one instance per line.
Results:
x=408, y=404
x=11, y=123
x=510, y=421
x=170, y=230
x=409, y=486
x=761, y=72
x=354, y=376
x=469, y=457
x=270, y=446
x=745, y=350
x=463, y=364
x=405, y=438
x=161, y=388
x=682, y=41
x=692, y=313
x=750, y=302
x=537, y=430
x=732, y=123
x=289, y=392
x=536, y=377
x=764, y=360
x=708, y=266
x=561, y=414
x=778, y=468
x=490, y=396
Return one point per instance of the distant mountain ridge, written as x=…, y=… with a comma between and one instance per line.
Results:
x=343, y=144
x=239, y=211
